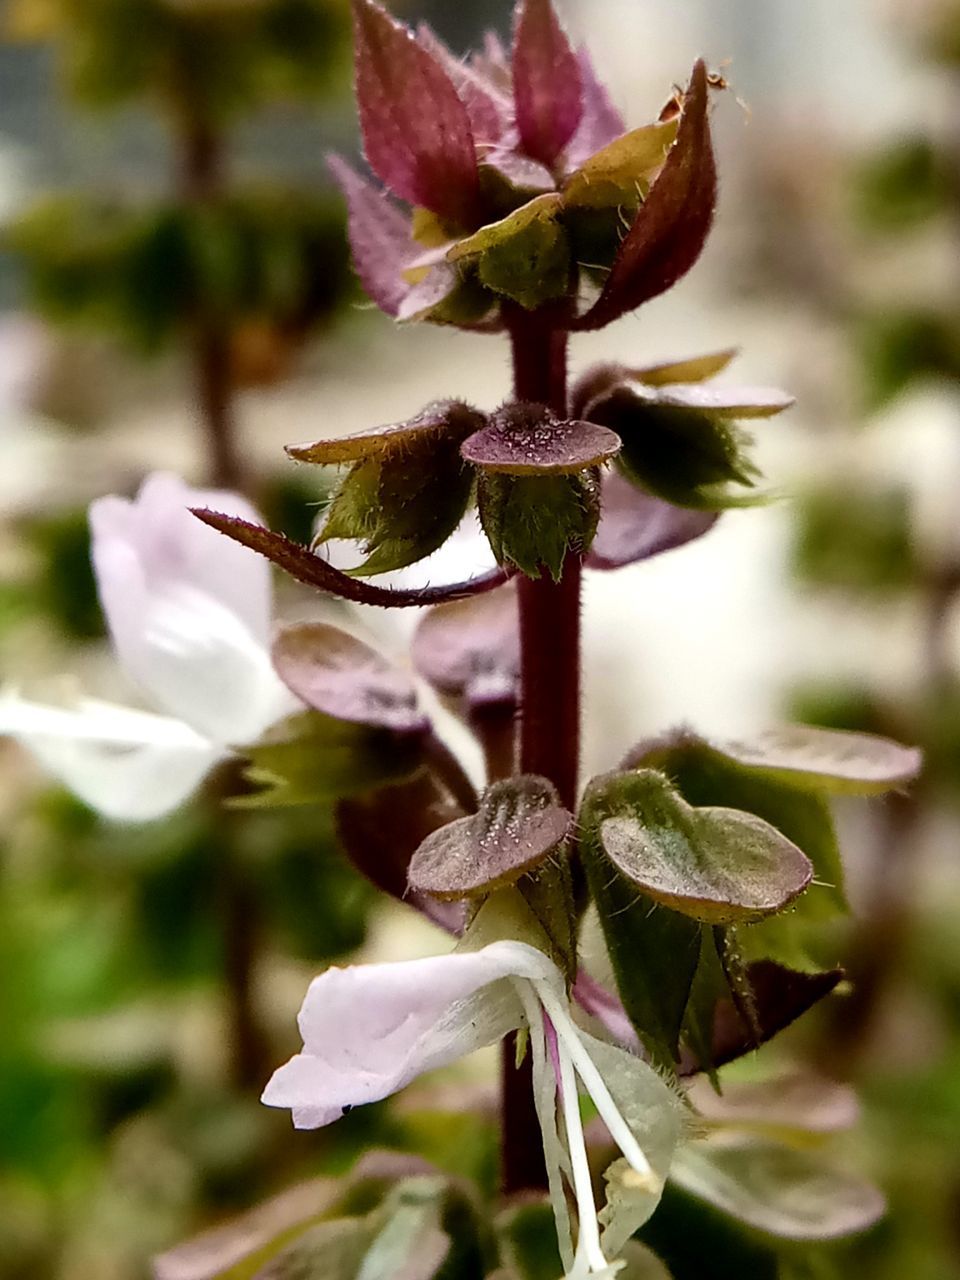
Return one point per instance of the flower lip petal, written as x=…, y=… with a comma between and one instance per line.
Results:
x=368, y=1030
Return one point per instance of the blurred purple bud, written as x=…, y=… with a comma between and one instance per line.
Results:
x=379, y=237
x=547, y=82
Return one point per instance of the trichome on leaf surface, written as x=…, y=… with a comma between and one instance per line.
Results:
x=508, y=196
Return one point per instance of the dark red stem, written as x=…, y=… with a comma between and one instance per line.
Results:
x=549, y=722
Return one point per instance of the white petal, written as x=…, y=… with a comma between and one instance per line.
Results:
x=202, y=665
x=188, y=610
x=370, y=1029
x=128, y=765
x=171, y=545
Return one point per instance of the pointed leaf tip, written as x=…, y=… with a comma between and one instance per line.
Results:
x=416, y=130
x=672, y=224
x=547, y=81
x=313, y=571
x=379, y=234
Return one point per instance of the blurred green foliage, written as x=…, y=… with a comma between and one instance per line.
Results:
x=272, y=257
x=117, y=50
x=854, y=539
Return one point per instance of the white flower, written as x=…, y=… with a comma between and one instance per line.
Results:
x=189, y=615
x=368, y=1030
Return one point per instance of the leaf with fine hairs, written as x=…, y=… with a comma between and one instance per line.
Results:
x=528, y=440
x=312, y=570
x=519, y=825
x=334, y=672
x=379, y=234
x=445, y=419
x=416, y=130
x=716, y=865
x=672, y=224
x=547, y=81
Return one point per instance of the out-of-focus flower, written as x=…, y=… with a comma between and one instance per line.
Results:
x=189, y=618
x=369, y=1030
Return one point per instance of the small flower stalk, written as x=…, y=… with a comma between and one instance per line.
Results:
x=509, y=197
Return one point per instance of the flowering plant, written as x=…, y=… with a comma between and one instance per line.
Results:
x=700, y=863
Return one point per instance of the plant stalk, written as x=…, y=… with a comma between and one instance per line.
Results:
x=202, y=162
x=549, y=720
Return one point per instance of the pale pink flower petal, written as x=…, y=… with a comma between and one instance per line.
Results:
x=370, y=1029
x=129, y=765
x=188, y=610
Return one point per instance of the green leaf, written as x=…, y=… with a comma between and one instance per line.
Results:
x=331, y=1250
x=654, y=951
x=527, y=1235
x=311, y=757
x=445, y=419
x=776, y=1189
x=689, y=456
x=238, y=1250
x=403, y=507
x=519, y=825
x=524, y=257
x=705, y=773
x=692, y=369
x=717, y=865
x=534, y=522
x=620, y=173
x=655, y=1116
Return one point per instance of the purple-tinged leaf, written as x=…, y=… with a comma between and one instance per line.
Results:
x=492, y=62
x=314, y=571
x=671, y=227
x=780, y=997
x=635, y=525
x=488, y=108
x=827, y=759
x=519, y=825
x=471, y=649
x=600, y=123
x=796, y=1101
x=337, y=674
x=528, y=440
x=222, y=1248
x=547, y=82
x=776, y=1189
x=380, y=833
x=379, y=232
x=416, y=130
x=442, y=420
x=725, y=402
